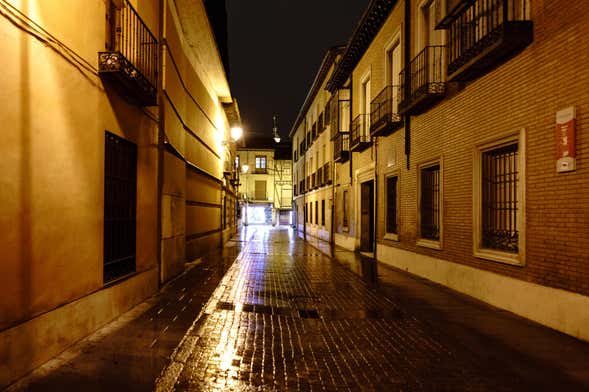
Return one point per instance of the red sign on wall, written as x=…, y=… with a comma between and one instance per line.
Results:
x=565, y=140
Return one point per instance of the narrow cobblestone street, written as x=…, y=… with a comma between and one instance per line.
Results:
x=286, y=316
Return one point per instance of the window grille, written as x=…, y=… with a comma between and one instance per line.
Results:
x=500, y=204
x=392, y=205
x=120, y=189
x=430, y=203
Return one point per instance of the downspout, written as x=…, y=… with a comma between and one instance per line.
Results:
x=332, y=235
x=305, y=209
x=407, y=81
x=160, y=138
x=375, y=196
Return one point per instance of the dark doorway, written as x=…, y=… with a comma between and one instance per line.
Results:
x=367, y=216
x=120, y=189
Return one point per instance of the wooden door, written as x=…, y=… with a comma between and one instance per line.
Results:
x=366, y=216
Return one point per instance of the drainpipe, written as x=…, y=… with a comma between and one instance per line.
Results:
x=375, y=196
x=407, y=92
x=305, y=209
x=160, y=139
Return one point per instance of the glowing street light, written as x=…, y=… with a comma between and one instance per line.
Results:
x=275, y=133
x=236, y=133
x=245, y=168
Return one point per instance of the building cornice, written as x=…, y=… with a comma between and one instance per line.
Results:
x=369, y=25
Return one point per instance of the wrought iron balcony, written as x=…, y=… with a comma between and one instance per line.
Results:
x=341, y=147
x=327, y=174
x=427, y=81
x=131, y=66
x=485, y=34
x=360, y=137
x=384, y=116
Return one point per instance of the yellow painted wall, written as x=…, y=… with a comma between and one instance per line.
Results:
x=55, y=111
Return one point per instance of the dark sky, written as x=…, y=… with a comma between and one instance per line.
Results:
x=275, y=49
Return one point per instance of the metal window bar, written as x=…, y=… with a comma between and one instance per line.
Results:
x=430, y=203
x=120, y=189
x=391, y=224
x=500, y=203
x=135, y=41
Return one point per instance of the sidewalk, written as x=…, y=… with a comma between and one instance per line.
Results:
x=286, y=316
x=129, y=353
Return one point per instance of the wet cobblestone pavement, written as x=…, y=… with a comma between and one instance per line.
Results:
x=286, y=317
x=272, y=312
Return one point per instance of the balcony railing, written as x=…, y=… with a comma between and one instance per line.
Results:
x=341, y=147
x=384, y=116
x=327, y=174
x=260, y=170
x=132, y=63
x=485, y=34
x=427, y=81
x=360, y=137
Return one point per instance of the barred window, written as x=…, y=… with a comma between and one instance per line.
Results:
x=500, y=198
x=391, y=216
x=430, y=203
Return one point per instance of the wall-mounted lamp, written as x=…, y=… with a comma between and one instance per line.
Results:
x=245, y=168
x=236, y=133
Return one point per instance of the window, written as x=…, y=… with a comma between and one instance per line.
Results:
x=345, y=209
x=316, y=212
x=305, y=211
x=322, y=212
x=430, y=222
x=120, y=189
x=310, y=212
x=498, y=205
x=261, y=162
x=391, y=200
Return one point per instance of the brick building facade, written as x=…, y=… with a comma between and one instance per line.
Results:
x=460, y=185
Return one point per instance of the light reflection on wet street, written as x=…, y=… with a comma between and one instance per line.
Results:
x=286, y=317
x=273, y=312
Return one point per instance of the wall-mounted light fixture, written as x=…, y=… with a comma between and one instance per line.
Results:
x=245, y=168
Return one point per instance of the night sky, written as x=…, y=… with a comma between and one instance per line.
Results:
x=275, y=50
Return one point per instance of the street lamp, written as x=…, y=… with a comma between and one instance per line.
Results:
x=275, y=133
x=245, y=168
x=236, y=133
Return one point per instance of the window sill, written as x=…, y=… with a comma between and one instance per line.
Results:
x=391, y=237
x=500, y=257
x=437, y=245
